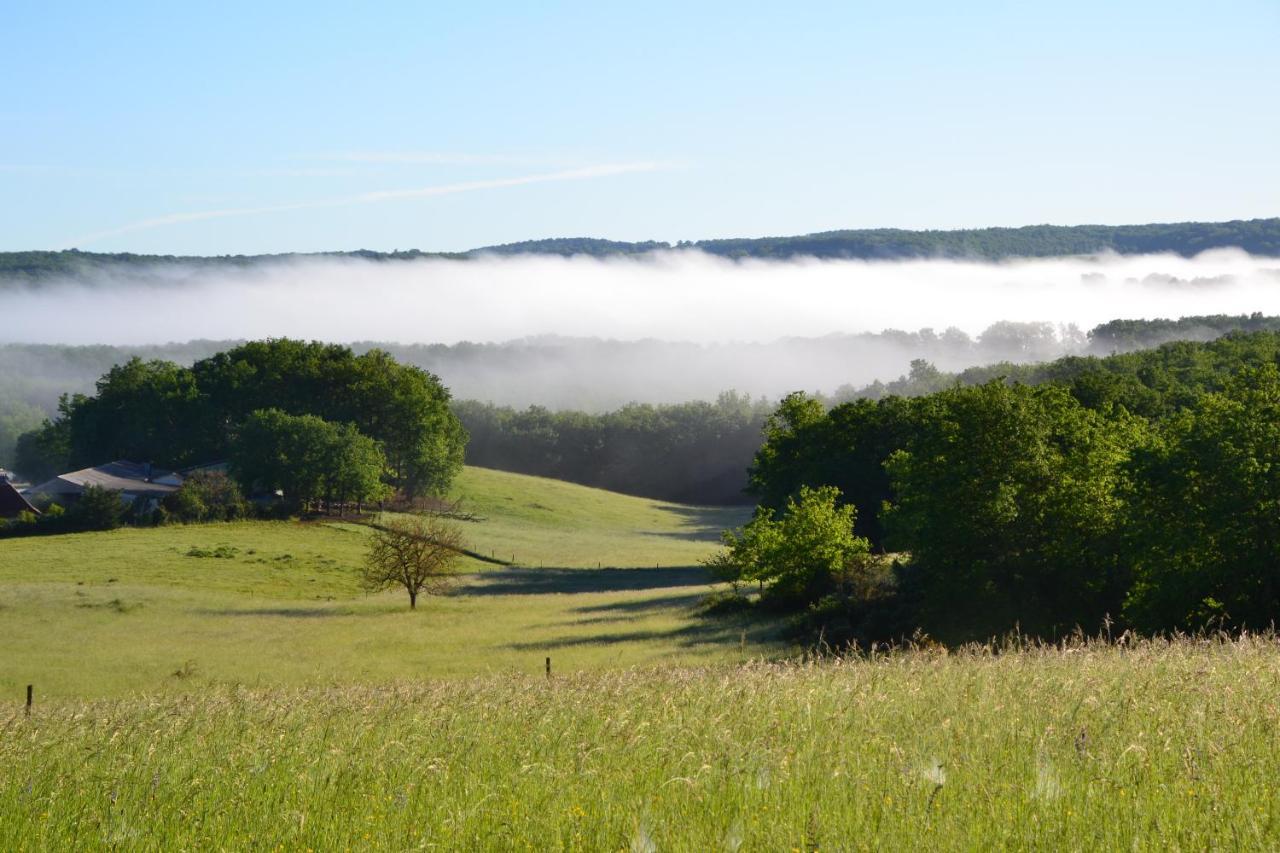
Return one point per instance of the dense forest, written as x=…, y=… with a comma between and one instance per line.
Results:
x=1256, y=236
x=1138, y=490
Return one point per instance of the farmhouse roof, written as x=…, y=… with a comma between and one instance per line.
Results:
x=131, y=478
x=12, y=503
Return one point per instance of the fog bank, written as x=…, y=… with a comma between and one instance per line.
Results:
x=685, y=296
x=666, y=327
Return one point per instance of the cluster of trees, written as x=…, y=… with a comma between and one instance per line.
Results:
x=1142, y=488
x=315, y=421
x=1151, y=381
x=692, y=452
x=1125, y=335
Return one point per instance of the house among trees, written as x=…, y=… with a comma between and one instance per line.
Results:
x=12, y=503
x=133, y=480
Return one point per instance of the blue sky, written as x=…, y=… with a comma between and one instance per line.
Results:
x=267, y=127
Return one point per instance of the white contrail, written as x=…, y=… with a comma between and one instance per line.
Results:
x=432, y=158
x=584, y=173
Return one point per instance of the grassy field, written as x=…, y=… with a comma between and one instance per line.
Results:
x=1156, y=747
x=184, y=608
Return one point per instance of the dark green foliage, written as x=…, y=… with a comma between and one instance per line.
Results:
x=1008, y=501
x=306, y=458
x=691, y=452
x=1142, y=487
x=142, y=410
x=567, y=246
x=845, y=448
x=207, y=496
x=96, y=509
x=800, y=554
x=1257, y=236
x=404, y=408
x=175, y=417
x=1125, y=335
x=1205, y=518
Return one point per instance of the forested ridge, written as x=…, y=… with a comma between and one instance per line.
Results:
x=1256, y=236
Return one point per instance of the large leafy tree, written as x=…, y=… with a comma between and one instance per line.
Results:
x=1009, y=505
x=407, y=410
x=306, y=458
x=144, y=410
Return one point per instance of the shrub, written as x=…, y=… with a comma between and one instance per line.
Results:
x=97, y=509
x=207, y=496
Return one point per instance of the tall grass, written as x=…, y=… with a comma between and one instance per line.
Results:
x=1161, y=745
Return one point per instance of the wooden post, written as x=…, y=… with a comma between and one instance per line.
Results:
x=31, y=689
x=548, y=667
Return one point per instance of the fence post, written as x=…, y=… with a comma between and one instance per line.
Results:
x=548, y=667
x=31, y=689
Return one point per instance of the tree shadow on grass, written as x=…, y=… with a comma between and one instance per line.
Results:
x=703, y=523
x=641, y=605
x=720, y=632
x=631, y=610
x=286, y=612
x=570, y=581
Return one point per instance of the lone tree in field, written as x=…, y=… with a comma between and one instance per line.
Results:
x=416, y=553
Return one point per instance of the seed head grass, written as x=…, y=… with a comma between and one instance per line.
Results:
x=1162, y=745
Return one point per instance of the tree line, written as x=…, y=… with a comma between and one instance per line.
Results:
x=690, y=452
x=1139, y=490
x=1256, y=236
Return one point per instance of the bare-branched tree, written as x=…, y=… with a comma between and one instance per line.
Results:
x=415, y=552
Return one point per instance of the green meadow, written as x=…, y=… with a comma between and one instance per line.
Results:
x=187, y=607
x=229, y=686
x=1157, y=746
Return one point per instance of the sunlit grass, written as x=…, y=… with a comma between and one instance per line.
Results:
x=541, y=522
x=189, y=607
x=1161, y=746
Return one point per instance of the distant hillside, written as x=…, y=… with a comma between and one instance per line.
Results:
x=1256, y=236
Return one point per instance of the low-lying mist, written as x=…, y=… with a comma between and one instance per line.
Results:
x=670, y=326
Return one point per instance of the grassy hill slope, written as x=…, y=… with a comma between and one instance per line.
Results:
x=533, y=521
x=265, y=603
